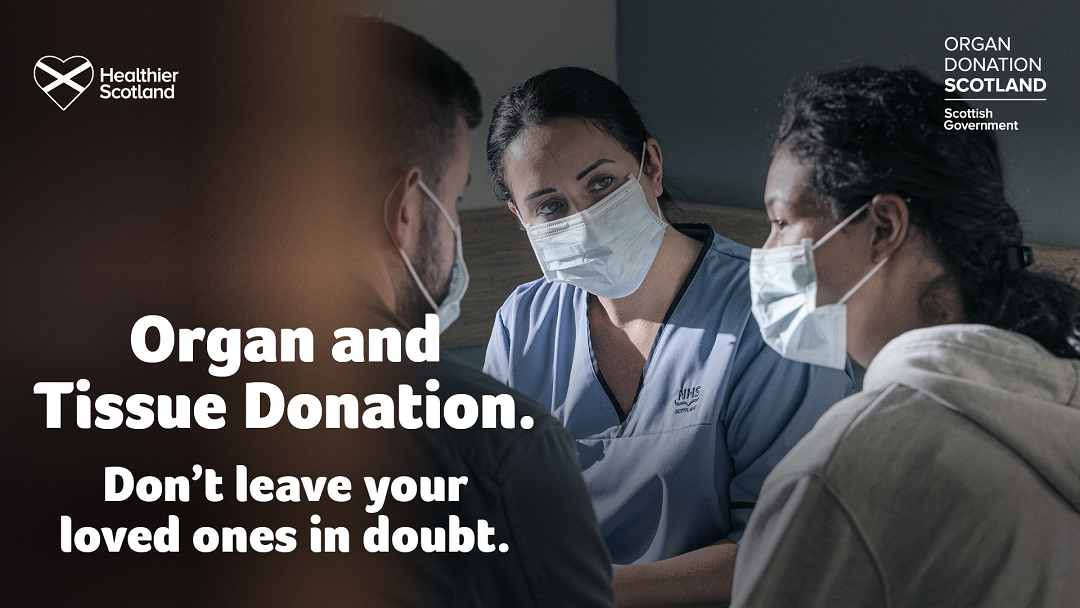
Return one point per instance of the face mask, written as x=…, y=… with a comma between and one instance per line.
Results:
x=783, y=299
x=606, y=249
x=450, y=308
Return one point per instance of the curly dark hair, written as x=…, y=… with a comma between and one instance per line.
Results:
x=865, y=131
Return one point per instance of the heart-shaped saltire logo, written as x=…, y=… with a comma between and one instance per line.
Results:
x=63, y=80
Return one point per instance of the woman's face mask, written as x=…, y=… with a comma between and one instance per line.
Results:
x=606, y=249
x=783, y=300
x=590, y=223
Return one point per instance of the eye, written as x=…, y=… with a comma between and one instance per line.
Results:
x=780, y=224
x=602, y=183
x=548, y=208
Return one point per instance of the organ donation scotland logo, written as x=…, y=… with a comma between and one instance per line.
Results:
x=64, y=80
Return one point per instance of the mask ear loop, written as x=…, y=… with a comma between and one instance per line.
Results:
x=641, y=171
x=416, y=278
x=455, y=227
x=863, y=281
x=459, y=268
x=838, y=227
x=457, y=235
x=439, y=204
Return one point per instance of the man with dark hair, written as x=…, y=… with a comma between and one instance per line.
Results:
x=308, y=181
x=416, y=108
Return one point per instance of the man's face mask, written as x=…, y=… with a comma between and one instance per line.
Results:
x=450, y=308
x=783, y=300
x=606, y=249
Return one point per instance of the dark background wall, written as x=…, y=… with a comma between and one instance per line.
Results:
x=709, y=77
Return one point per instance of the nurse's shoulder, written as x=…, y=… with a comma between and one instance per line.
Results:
x=531, y=310
x=724, y=261
x=731, y=249
x=530, y=304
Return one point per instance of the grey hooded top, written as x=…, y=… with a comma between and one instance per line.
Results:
x=953, y=479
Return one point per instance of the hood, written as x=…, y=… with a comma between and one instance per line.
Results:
x=1006, y=383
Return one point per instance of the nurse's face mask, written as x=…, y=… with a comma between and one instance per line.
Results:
x=450, y=308
x=783, y=299
x=606, y=249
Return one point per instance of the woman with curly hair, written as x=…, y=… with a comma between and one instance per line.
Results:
x=953, y=478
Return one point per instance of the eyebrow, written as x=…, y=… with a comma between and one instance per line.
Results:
x=593, y=166
x=579, y=176
x=538, y=193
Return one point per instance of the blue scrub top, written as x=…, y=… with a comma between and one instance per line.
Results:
x=715, y=411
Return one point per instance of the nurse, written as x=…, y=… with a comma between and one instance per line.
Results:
x=953, y=478
x=640, y=340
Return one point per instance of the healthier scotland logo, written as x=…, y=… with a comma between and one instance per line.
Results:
x=63, y=80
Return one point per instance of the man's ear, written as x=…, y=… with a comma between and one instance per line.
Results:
x=401, y=211
x=889, y=222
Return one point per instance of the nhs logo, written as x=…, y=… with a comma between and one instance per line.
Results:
x=687, y=399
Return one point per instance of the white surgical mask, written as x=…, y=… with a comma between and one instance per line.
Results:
x=606, y=249
x=783, y=299
x=450, y=308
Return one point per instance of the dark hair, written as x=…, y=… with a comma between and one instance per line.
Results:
x=562, y=92
x=418, y=93
x=865, y=131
